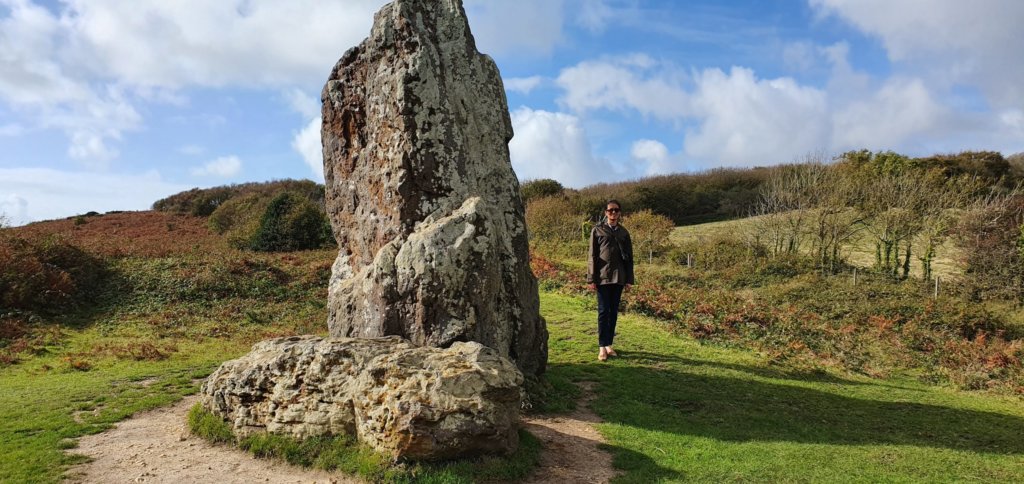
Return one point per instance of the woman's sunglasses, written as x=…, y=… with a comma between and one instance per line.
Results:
x=613, y=210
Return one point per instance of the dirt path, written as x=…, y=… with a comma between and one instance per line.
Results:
x=571, y=452
x=156, y=447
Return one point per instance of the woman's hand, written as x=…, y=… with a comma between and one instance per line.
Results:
x=629, y=286
x=592, y=286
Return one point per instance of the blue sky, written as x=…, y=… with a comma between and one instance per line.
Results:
x=113, y=104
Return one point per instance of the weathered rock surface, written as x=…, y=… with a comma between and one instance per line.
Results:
x=421, y=193
x=406, y=401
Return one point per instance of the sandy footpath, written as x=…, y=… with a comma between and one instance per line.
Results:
x=156, y=447
x=571, y=452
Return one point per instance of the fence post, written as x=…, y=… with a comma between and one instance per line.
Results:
x=854, y=276
x=936, y=296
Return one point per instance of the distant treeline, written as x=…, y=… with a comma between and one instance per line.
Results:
x=727, y=193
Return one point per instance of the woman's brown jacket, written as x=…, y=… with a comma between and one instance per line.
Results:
x=610, y=260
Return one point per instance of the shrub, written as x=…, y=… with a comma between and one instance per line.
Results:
x=990, y=236
x=291, y=222
x=239, y=217
x=555, y=220
x=716, y=253
x=286, y=221
x=649, y=232
x=46, y=276
x=544, y=187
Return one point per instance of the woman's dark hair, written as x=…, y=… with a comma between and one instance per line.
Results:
x=616, y=202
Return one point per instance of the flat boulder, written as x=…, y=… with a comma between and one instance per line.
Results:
x=406, y=401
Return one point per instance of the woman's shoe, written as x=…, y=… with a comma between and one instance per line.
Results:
x=610, y=352
x=602, y=355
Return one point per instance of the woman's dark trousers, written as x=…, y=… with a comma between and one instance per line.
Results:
x=608, y=298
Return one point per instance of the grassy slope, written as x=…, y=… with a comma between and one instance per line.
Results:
x=860, y=253
x=676, y=410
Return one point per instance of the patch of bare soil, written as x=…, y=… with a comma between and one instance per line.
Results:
x=157, y=447
x=571, y=446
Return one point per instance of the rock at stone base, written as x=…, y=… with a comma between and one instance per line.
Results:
x=410, y=402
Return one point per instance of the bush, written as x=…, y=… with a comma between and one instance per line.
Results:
x=649, y=232
x=291, y=222
x=46, y=276
x=555, y=220
x=544, y=187
x=286, y=221
x=716, y=253
x=991, y=238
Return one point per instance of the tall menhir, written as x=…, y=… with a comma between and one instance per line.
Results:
x=421, y=194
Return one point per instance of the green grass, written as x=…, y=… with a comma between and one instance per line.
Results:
x=675, y=410
x=45, y=404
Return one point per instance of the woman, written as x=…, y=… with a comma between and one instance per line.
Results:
x=609, y=271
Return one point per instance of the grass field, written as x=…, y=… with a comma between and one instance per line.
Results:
x=676, y=410
x=860, y=253
x=179, y=303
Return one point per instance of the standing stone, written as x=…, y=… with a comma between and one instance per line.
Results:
x=421, y=194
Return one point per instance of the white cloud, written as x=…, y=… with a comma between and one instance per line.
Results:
x=656, y=157
x=231, y=42
x=302, y=103
x=13, y=210
x=594, y=14
x=43, y=194
x=748, y=121
x=554, y=145
x=225, y=166
x=522, y=84
x=307, y=143
x=799, y=56
x=83, y=69
x=946, y=41
x=634, y=82
x=893, y=116
x=735, y=118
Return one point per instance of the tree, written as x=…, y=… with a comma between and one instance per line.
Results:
x=544, y=187
x=649, y=231
x=554, y=220
x=939, y=214
x=989, y=233
x=808, y=206
x=291, y=222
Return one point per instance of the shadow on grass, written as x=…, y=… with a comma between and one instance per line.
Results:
x=644, y=357
x=735, y=409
